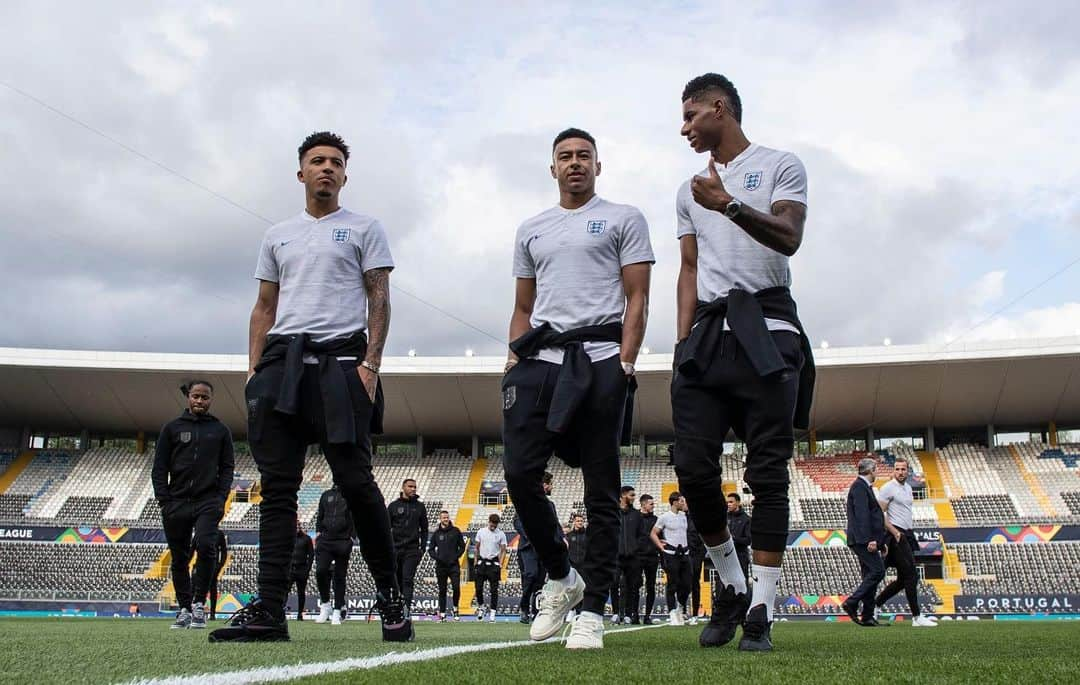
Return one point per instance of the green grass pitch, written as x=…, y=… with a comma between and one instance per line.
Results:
x=125, y=650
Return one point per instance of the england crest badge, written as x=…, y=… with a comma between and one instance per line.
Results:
x=596, y=226
x=509, y=397
x=752, y=180
x=341, y=235
x=185, y=436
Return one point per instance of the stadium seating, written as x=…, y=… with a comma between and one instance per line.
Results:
x=1020, y=569
x=35, y=570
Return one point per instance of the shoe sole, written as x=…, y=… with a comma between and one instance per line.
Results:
x=754, y=648
x=251, y=638
x=195, y=627
x=577, y=647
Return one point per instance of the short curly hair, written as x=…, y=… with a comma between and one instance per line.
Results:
x=323, y=138
x=698, y=87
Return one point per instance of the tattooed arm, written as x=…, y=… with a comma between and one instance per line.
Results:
x=377, y=286
x=781, y=230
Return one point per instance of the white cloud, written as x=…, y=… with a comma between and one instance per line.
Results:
x=930, y=145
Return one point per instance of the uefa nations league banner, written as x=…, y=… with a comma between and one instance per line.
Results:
x=1018, y=604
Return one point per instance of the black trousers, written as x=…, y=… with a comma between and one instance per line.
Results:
x=301, y=595
x=696, y=563
x=532, y=579
x=593, y=438
x=902, y=557
x=626, y=590
x=873, y=570
x=448, y=575
x=490, y=574
x=677, y=570
x=332, y=553
x=180, y=519
x=649, y=565
x=407, y=562
x=279, y=443
x=731, y=395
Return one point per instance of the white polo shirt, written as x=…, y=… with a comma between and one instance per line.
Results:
x=576, y=257
x=319, y=266
x=489, y=542
x=673, y=526
x=727, y=256
x=900, y=499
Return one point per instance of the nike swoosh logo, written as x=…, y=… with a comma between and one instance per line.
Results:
x=727, y=554
x=285, y=242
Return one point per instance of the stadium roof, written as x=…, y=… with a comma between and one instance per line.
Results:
x=1011, y=384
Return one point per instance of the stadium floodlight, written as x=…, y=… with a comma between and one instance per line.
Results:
x=824, y=344
x=468, y=352
x=887, y=341
x=412, y=352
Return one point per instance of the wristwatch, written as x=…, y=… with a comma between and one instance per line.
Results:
x=732, y=209
x=370, y=367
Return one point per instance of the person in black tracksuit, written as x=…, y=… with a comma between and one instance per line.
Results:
x=739, y=525
x=575, y=540
x=625, y=590
x=300, y=567
x=697, y=561
x=333, y=546
x=446, y=546
x=409, y=526
x=648, y=555
x=532, y=573
x=192, y=476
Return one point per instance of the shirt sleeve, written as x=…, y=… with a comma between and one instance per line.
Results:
x=266, y=269
x=634, y=244
x=886, y=494
x=660, y=520
x=684, y=225
x=523, y=261
x=790, y=180
x=375, y=248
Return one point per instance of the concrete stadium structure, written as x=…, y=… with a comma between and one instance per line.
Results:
x=1031, y=384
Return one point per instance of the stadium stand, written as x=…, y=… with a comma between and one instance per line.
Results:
x=42, y=570
x=1026, y=483
x=1020, y=569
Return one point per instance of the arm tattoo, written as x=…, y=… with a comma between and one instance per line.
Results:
x=377, y=286
x=790, y=208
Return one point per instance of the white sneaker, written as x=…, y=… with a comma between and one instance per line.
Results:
x=491, y=616
x=921, y=621
x=616, y=619
x=324, y=612
x=570, y=616
x=587, y=632
x=555, y=600
x=675, y=618
x=692, y=621
x=335, y=617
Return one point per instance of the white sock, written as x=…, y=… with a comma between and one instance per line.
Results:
x=765, y=581
x=727, y=565
x=569, y=580
x=594, y=615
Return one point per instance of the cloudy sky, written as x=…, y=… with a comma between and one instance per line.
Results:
x=940, y=142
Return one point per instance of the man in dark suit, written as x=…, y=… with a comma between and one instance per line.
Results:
x=865, y=537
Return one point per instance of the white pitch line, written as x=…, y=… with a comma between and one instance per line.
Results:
x=277, y=674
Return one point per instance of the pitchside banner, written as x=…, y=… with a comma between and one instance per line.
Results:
x=1001, y=603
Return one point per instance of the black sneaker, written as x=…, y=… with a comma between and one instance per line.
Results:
x=728, y=611
x=852, y=610
x=396, y=624
x=253, y=623
x=647, y=621
x=524, y=618
x=756, y=631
